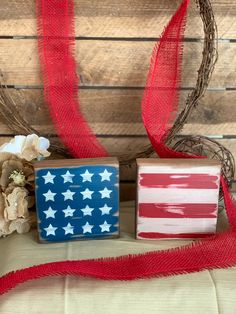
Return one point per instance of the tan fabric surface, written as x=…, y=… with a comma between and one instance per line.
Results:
x=204, y=292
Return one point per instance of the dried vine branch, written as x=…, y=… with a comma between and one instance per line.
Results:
x=209, y=59
x=16, y=122
x=201, y=145
x=10, y=114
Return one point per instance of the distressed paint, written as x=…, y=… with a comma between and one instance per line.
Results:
x=171, y=210
x=177, y=225
x=177, y=198
x=77, y=201
x=186, y=181
x=156, y=235
x=181, y=168
x=173, y=195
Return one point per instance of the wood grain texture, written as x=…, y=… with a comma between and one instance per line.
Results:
x=113, y=109
x=112, y=63
x=124, y=18
x=118, y=112
x=60, y=163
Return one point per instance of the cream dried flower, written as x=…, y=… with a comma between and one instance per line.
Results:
x=4, y=228
x=27, y=147
x=14, y=214
x=17, y=182
x=4, y=225
x=20, y=225
x=15, y=172
x=16, y=204
x=18, y=177
x=16, y=194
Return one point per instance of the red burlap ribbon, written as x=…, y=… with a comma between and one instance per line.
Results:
x=56, y=48
x=159, y=107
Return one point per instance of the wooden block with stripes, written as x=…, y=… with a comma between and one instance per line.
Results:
x=177, y=198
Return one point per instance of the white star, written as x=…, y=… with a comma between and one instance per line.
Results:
x=105, y=175
x=48, y=178
x=69, y=211
x=105, y=193
x=68, y=195
x=87, y=228
x=105, y=209
x=68, y=177
x=105, y=227
x=87, y=194
x=50, y=213
x=49, y=196
x=87, y=210
x=50, y=230
x=69, y=229
x=87, y=176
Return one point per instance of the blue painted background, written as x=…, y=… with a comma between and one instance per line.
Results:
x=78, y=220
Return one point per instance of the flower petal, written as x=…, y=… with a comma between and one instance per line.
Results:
x=14, y=146
x=27, y=147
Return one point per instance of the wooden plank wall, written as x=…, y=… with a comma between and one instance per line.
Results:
x=114, y=41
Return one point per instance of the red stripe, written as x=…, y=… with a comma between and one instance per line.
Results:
x=179, y=181
x=169, y=210
x=156, y=235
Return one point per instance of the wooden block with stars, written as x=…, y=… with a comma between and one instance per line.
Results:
x=177, y=198
x=77, y=199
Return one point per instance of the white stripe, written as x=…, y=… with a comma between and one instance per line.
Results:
x=177, y=169
x=167, y=195
x=177, y=225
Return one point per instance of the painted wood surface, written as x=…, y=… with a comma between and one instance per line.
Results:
x=177, y=198
x=77, y=199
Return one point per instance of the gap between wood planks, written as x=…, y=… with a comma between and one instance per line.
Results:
x=105, y=87
x=149, y=39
